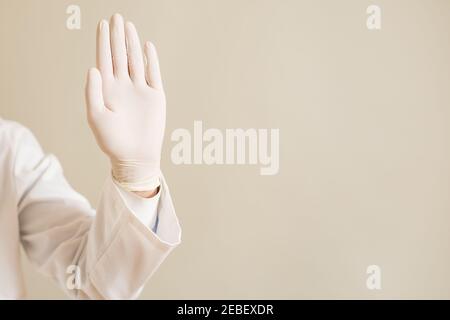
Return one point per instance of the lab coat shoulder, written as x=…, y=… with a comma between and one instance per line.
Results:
x=35, y=175
x=11, y=133
x=109, y=252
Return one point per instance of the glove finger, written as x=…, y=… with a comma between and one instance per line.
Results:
x=94, y=94
x=118, y=47
x=104, y=59
x=134, y=51
x=152, y=73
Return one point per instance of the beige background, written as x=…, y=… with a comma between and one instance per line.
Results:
x=364, y=124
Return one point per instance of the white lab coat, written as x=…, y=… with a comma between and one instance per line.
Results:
x=109, y=253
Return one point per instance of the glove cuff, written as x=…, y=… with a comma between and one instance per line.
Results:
x=135, y=175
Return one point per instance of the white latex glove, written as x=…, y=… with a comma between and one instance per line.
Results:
x=126, y=106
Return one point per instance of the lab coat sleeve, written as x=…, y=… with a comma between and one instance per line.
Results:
x=107, y=254
x=144, y=209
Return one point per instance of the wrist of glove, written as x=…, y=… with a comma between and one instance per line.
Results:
x=133, y=175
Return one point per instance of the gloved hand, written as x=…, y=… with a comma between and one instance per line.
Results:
x=126, y=106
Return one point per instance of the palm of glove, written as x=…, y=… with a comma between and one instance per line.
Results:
x=132, y=127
